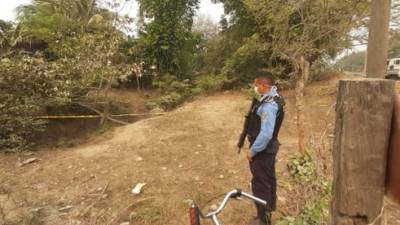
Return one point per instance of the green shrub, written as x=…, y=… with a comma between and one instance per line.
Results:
x=210, y=83
x=167, y=101
x=174, y=92
x=243, y=64
x=311, y=215
x=27, y=85
x=65, y=143
x=316, y=209
x=302, y=168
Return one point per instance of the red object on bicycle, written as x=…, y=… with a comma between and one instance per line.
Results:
x=194, y=215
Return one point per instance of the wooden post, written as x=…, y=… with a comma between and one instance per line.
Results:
x=393, y=175
x=302, y=73
x=363, y=121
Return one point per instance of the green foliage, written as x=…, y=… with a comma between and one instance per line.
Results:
x=284, y=32
x=173, y=90
x=211, y=58
x=316, y=209
x=394, y=45
x=27, y=86
x=65, y=143
x=167, y=102
x=353, y=62
x=210, y=83
x=51, y=20
x=166, y=39
x=5, y=34
x=317, y=192
x=246, y=60
x=311, y=215
x=299, y=28
x=302, y=168
x=170, y=84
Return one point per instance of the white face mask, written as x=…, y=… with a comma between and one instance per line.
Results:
x=256, y=90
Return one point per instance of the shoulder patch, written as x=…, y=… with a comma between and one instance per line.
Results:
x=263, y=116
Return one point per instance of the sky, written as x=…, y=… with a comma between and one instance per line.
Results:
x=214, y=11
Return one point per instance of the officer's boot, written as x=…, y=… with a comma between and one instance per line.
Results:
x=268, y=217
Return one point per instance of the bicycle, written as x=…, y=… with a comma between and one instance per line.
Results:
x=195, y=213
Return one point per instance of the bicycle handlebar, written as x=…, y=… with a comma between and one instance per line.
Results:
x=232, y=194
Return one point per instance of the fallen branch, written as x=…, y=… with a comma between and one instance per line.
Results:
x=95, y=202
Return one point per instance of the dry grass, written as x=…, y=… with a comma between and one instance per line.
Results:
x=187, y=154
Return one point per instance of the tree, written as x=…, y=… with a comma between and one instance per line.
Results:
x=51, y=20
x=394, y=45
x=165, y=35
x=87, y=60
x=378, y=39
x=206, y=27
x=302, y=32
x=5, y=35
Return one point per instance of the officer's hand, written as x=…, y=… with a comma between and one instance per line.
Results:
x=249, y=156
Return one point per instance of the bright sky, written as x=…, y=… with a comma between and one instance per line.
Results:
x=7, y=8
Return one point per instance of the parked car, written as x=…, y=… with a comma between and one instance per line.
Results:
x=393, y=69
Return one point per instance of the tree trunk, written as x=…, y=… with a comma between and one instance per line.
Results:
x=363, y=121
x=138, y=83
x=378, y=39
x=106, y=112
x=301, y=73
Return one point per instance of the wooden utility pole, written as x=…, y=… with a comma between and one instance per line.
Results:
x=362, y=132
x=363, y=121
x=378, y=39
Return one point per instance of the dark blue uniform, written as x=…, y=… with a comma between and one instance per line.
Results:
x=264, y=147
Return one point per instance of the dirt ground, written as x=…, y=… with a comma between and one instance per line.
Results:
x=187, y=154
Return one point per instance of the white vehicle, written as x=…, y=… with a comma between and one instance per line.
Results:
x=393, y=69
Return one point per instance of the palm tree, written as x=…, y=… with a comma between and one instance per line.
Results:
x=5, y=35
x=47, y=20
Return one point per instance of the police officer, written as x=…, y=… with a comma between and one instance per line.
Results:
x=265, y=120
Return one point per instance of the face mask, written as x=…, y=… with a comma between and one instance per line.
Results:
x=256, y=90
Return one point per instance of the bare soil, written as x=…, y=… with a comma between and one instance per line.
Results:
x=187, y=154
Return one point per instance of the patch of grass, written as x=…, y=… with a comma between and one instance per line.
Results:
x=104, y=128
x=66, y=143
x=150, y=214
x=313, y=213
x=316, y=202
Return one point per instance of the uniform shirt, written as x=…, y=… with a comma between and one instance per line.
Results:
x=267, y=112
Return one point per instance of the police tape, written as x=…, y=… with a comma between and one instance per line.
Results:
x=96, y=116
